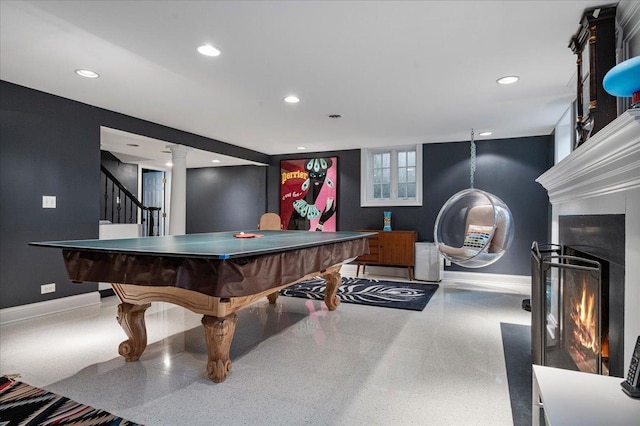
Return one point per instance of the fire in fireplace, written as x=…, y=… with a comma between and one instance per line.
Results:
x=584, y=319
x=586, y=332
x=570, y=318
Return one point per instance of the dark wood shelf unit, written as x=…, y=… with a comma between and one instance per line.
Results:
x=390, y=248
x=595, y=47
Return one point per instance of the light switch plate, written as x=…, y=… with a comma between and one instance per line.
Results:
x=48, y=288
x=48, y=201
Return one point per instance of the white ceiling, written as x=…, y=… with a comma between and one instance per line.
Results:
x=399, y=72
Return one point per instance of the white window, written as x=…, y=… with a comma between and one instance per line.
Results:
x=391, y=176
x=564, y=135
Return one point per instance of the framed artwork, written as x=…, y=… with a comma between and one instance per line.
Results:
x=308, y=194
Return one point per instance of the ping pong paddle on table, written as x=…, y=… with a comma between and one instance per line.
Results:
x=246, y=235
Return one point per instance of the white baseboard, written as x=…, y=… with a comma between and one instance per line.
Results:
x=483, y=277
x=522, y=283
x=32, y=310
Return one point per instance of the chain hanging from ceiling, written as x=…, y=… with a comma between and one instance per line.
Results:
x=473, y=160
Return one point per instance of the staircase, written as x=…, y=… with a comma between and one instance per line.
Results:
x=121, y=206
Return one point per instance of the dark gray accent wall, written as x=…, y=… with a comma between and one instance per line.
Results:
x=505, y=167
x=46, y=149
x=225, y=198
x=51, y=146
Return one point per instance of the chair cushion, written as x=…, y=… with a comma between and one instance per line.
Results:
x=457, y=254
x=477, y=236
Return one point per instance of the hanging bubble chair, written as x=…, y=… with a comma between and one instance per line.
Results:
x=474, y=228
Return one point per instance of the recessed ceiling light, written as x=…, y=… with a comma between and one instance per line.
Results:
x=133, y=145
x=87, y=73
x=215, y=161
x=485, y=134
x=292, y=99
x=209, y=50
x=510, y=79
x=301, y=148
x=169, y=164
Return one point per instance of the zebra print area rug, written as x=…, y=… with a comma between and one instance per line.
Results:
x=388, y=294
x=22, y=404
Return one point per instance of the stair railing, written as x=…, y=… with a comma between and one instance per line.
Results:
x=121, y=206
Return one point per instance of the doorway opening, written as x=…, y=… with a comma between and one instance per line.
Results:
x=154, y=196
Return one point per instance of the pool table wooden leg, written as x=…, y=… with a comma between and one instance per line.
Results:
x=333, y=282
x=218, y=334
x=273, y=297
x=131, y=319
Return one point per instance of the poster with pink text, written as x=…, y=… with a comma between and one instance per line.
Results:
x=308, y=194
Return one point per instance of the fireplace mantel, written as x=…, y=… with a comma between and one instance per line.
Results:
x=606, y=163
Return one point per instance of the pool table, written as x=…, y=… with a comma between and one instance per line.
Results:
x=214, y=274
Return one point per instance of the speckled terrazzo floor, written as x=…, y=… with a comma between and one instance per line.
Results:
x=294, y=363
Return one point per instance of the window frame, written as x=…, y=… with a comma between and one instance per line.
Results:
x=366, y=177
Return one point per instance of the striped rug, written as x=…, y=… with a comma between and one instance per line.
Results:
x=22, y=404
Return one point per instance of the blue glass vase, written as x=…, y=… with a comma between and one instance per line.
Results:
x=387, y=221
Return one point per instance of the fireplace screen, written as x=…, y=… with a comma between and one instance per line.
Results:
x=569, y=320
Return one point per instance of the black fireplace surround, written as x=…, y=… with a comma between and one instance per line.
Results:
x=600, y=238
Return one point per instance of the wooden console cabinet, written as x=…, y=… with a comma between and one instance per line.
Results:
x=390, y=248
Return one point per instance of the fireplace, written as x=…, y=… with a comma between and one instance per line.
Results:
x=570, y=309
x=580, y=303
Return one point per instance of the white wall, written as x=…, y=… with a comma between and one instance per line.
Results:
x=628, y=16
